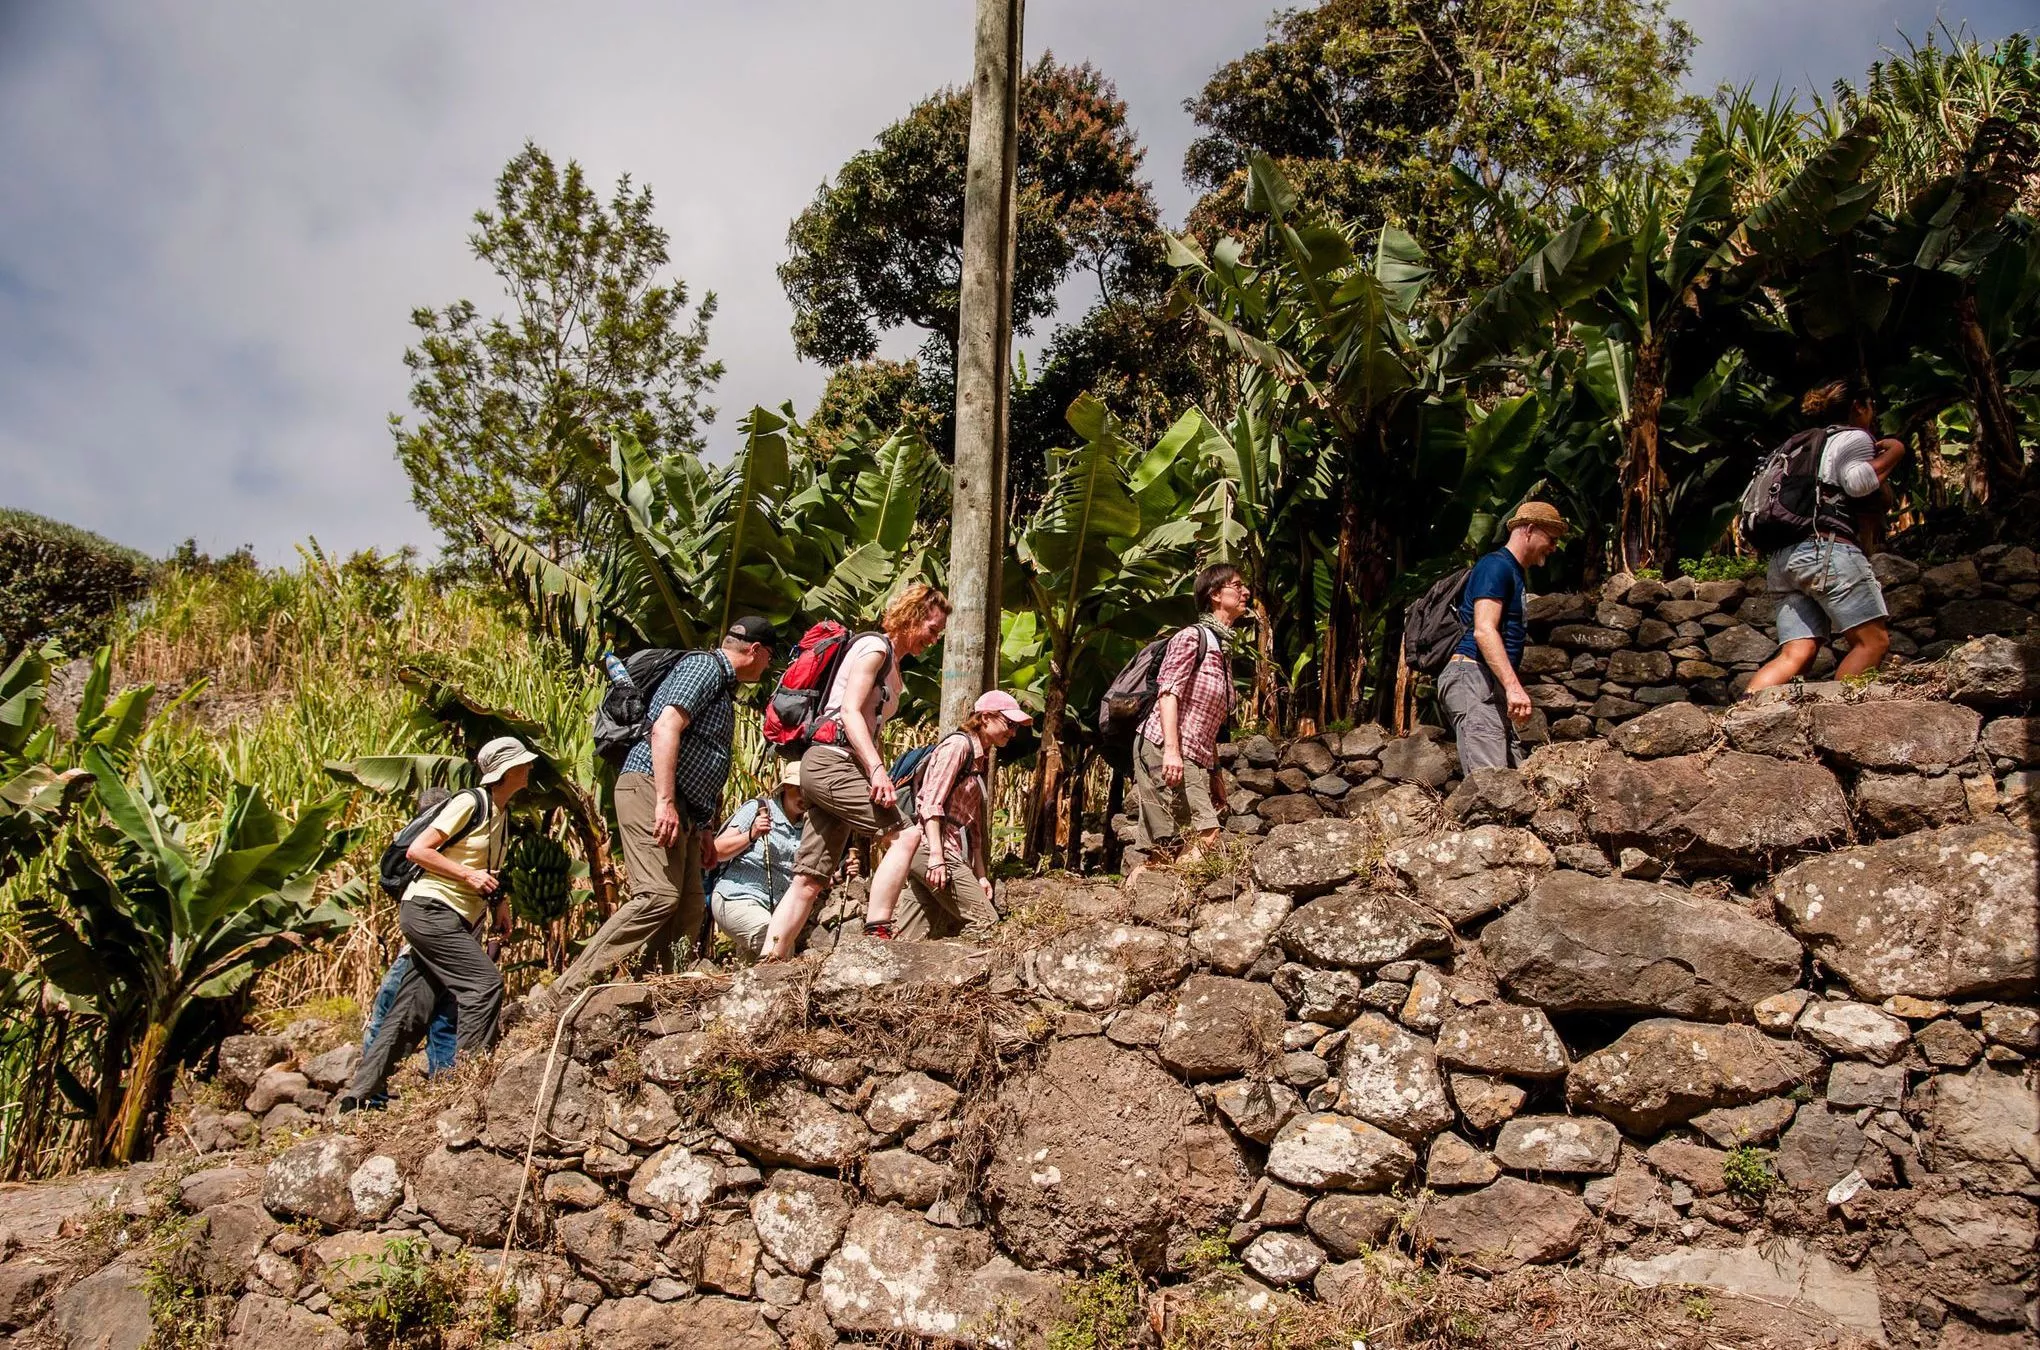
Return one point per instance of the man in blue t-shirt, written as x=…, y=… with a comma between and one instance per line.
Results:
x=1479, y=689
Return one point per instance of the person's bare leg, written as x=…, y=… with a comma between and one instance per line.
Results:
x=1868, y=644
x=789, y=917
x=1791, y=661
x=889, y=876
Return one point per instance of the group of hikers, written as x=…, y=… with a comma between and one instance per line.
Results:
x=759, y=876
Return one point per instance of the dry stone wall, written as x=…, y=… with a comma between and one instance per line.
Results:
x=1742, y=999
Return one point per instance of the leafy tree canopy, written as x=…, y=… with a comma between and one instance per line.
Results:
x=874, y=393
x=882, y=246
x=1382, y=111
x=509, y=407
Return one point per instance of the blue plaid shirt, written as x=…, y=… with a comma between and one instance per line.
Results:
x=703, y=685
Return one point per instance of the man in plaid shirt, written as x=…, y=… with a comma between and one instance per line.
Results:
x=1177, y=786
x=668, y=797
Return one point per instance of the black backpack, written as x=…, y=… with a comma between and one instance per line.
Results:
x=1432, y=628
x=621, y=720
x=1131, y=695
x=396, y=872
x=1783, y=503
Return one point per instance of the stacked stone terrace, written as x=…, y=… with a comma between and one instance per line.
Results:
x=1741, y=999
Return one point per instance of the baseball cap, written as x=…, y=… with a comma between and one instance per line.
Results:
x=1000, y=702
x=502, y=755
x=752, y=628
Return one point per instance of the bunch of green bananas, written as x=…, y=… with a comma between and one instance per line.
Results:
x=539, y=875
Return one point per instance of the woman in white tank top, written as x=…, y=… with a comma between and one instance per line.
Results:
x=843, y=774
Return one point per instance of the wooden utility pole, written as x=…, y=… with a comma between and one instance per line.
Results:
x=984, y=362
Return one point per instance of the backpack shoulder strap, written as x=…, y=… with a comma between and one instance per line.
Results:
x=476, y=817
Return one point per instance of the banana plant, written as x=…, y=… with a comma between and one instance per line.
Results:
x=151, y=925
x=1673, y=307
x=1100, y=566
x=776, y=532
x=560, y=780
x=40, y=779
x=1353, y=413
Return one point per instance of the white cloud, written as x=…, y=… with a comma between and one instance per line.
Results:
x=219, y=216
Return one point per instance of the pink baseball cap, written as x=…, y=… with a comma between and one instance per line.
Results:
x=1000, y=702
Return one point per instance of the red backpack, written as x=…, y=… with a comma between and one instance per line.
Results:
x=792, y=716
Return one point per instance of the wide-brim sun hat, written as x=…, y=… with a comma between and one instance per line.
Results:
x=502, y=755
x=1543, y=515
x=1000, y=702
x=789, y=777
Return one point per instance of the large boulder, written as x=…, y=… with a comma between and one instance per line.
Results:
x=1464, y=874
x=800, y=1218
x=1664, y=1071
x=1588, y=944
x=793, y=1127
x=1902, y=803
x=859, y=970
x=107, y=1310
x=677, y=1181
x=1730, y=812
x=574, y=1106
x=243, y=1058
x=1992, y=670
x=1919, y=734
x=1316, y=856
x=896, y=1274
x=1222, y=1027
x=260, y=1322
x=1390, y=1078
x=1501, y=1227
x=1109, y=965
x=310, y=1180
x=1502, y=1038
x=1105, y=1158
x=1418, y=759
x=765, y=1000
x=616, y=1247
x=1674, y=729
x=1984, y=1128
x=1579, y=1144
x=1780, y=1276
x=646, y=1324
x=1949, y=913
x=1361, y=929
x=469, y=1193
x=1331, y=1152
x=1230, y=935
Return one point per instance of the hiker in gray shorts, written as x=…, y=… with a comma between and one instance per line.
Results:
x=1481, y=693
x=1824, y=583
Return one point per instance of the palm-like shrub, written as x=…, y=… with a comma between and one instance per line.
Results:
x=142, y=923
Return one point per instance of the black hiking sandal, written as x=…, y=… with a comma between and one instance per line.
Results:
x=882, y=930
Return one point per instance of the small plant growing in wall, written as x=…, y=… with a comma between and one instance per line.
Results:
x=1104, y=1313
x=1747, y=1172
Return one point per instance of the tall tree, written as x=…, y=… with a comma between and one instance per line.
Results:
x=881, y=247
x=511, y=408
x=1384, y=111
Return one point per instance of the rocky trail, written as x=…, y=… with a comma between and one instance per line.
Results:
x=1711, y=1026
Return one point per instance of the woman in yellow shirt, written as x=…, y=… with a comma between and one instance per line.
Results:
x=458, y=858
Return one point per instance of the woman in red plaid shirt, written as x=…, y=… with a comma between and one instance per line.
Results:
x=944, y=853
x=1177, y=787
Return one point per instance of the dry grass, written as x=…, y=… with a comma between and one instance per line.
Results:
x=1397, y=1306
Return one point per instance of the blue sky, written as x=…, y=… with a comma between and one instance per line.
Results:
x=218, y=215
